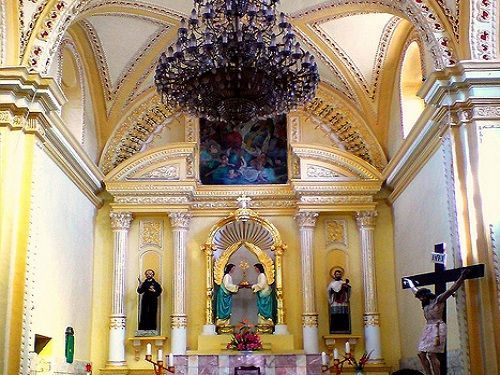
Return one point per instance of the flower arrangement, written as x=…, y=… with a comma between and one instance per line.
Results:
x=359, y=365
x=246, y=338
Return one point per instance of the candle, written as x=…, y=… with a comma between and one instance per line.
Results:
x=160, y=355
x=171, y=360
x=347, y=347
x=148, y=349
x=335, y=354
x=324, y=359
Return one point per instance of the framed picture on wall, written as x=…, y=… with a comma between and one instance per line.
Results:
x=250, y=153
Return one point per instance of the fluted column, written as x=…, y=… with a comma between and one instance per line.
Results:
x=306, y=222
x=120, y=223
x=366, y=225
x=180, y=224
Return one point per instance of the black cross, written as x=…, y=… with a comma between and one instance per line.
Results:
x=439, y=278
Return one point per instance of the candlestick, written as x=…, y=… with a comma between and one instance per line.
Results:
x=158, y=367
x=324, y=359
x=170, y=360
x=148, y=349
x=335, y=354
x=347, y=347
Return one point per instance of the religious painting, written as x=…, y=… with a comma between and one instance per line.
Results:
x=250, y=153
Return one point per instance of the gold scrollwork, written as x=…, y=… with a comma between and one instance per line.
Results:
x=116, y=323
x=309, y=320
x=178, y=321
x=263, y=258
x=371, y=320
x=151, y=233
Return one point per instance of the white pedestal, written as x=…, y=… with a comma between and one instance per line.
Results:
x=311, y=344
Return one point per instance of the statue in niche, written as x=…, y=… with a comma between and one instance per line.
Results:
x=339, y=293
x=224, y=297
x=150, y=290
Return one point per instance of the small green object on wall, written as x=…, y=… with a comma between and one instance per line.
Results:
x=69, y=348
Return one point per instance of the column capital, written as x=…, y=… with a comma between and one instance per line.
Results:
x=120, y=220
x=366, y=219
x=306, y=219
x=180, y=220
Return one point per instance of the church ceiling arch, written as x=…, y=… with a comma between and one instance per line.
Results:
x=425, y=15
x=343, y=124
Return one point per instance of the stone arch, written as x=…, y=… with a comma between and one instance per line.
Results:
x=47, y=35
x=70, y=69
x=422, y=14
x=338, y=119
x=483, y=29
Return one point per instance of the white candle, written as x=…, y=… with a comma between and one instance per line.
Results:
x=347, y=347
x=335, y=354
x=160, y=355
x=148, y=349
x=324, y=359
x=171, y=360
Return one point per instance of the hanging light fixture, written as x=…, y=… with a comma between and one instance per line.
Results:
x=235, y=60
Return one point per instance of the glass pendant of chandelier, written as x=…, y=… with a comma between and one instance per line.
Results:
x=235, y=60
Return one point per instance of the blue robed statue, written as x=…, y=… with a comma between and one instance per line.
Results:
x=264, y=293
x=266, y=305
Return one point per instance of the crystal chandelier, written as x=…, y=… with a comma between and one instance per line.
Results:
x=235, y=60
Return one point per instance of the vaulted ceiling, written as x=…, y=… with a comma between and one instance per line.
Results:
x=358, y=45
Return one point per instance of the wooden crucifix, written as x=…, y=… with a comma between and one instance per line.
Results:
x=439, y=278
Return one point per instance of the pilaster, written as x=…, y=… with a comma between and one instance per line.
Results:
x=306, y=222
x=371, y=316
x=180, y=225
x=120, y=224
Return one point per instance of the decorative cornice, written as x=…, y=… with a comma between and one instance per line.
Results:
x=464, y=89
x=33, y=103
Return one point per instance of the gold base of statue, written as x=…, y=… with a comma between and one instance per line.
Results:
x=273, y=344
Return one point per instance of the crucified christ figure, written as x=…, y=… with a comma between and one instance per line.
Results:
x=433, y=336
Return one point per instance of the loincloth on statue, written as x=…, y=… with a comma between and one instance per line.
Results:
x=433, y=337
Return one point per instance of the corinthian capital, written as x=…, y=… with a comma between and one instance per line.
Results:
x=306, y=219
x=180, y=220
x=366, y=219
x=120, y=220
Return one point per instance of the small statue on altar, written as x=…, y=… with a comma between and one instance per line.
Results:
x=265, y=299
x=339, y=293
x=224, y=297
x=150, y=290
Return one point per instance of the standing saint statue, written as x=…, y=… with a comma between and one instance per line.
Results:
x=339, y=292
x=150, y=290
x=265, y=300
x=224, y=297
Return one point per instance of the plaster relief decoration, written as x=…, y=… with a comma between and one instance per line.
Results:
x=336, y=233
x=151, y=233
x=167, y=172
x=316, y=172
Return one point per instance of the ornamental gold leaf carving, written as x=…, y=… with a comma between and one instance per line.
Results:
x=336, y=232
x=151, y=233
